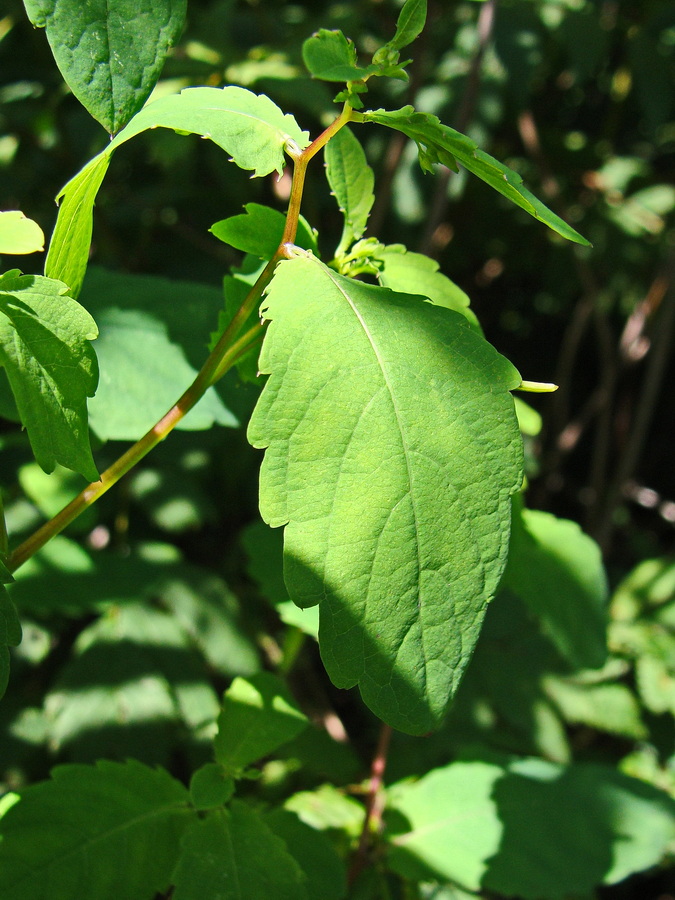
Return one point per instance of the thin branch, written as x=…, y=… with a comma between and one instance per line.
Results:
x=374, y=803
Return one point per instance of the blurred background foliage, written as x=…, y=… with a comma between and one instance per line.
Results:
x=140, y=615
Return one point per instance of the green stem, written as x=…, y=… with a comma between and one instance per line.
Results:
x=223, y=356
x=134, y=454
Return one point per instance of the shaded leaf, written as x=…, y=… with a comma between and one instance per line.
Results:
x=325, y=871
x=391, y=418
x=111, y=830
x=351, y=180
x=233, y=855
x=210, y=787
x=258, y=715
x=409, y=24
x=110, y=52
x=557, y=570
x=51, y=367
x=19, y=234
x=529, y=828
x=438, y=143
x=153, y=335
x=10, y=635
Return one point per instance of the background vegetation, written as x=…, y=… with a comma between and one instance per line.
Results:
x=139, y=617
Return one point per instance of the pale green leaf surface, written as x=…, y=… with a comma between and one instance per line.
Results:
x=112, y=830
x=610, y=707
x=392, y=449
x=415, y=273
x=231, y=854
x=330, y=56
x=19, y=234
x=259, y=230
x=438, y=143
x=530, y=828
x=557, y=571
x=328, y=808
x=51, y=367
x=258, y=715
x=351, y=180
x=152, y=341
x=110, y=52
x=248, y=126
x=69, y=245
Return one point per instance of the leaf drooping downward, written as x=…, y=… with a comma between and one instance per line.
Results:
x=392, y=449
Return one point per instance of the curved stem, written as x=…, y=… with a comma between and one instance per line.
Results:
x=224, y=355
x=134, y=454
x=374, y=803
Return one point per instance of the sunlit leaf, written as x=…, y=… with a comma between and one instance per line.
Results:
x=392, y=449
x=438, y=143
x=19, y=234
x=351, y=180
x=330, y=56
x=259, y=230
x=51, y=367
x=529, y=828
x=110, y=52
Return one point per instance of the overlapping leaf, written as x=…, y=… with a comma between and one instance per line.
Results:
x=351, y=180
x=110, y=52
x=392, y=449
x=249, y=127
x=111, y=830
x=51, y=367
x=232, y=854
x=19, y=234
x=528, y=828
x=438, y=143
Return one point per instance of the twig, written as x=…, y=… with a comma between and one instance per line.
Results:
x=374, y=804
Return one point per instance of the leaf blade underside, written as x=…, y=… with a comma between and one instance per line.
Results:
x=392, y=449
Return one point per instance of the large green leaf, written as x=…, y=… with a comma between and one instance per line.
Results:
x=111, y=830
x=110, y=52
x=529, y=828
x=249, y=127
x=392, y=449
x=258, y=715
x=51, y=367
x=231, y=854
x=438, y=143
x=351, y=180
x=557, y=571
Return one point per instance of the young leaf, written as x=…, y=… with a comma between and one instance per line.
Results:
x=258, y=715
x=231, y=854
x=44, y=347
x=351, y=180
x=557, y=571
x=330, y=56
x=392, y=449
x=250, y=127
x=491, y=827
x=409, y=25
x=68, y=252
x=110, y=52
x=112, y=828
x=438, y=143
x=415, y=273
x=259, y=230
x=19, y=234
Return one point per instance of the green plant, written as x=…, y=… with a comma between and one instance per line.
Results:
x=392, y=459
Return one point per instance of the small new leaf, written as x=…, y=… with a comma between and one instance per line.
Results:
x=351, y=180
x=51, y=367
x=330, y=56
